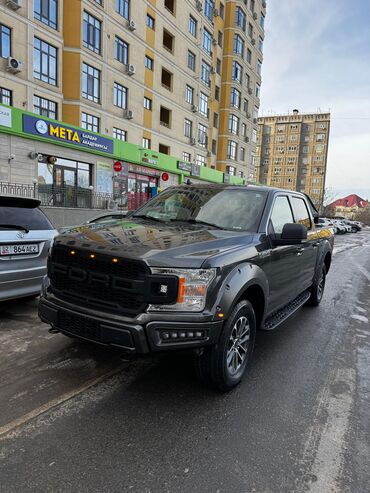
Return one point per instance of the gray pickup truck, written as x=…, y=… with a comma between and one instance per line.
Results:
x=199, y=267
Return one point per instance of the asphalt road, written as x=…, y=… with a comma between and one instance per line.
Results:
x=76, y=418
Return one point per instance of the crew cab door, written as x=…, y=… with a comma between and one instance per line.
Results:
x=309, y=249
x=285, y=260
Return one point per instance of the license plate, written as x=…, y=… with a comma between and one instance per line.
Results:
x=19, y=249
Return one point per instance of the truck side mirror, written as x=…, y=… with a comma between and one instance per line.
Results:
x=292, y=234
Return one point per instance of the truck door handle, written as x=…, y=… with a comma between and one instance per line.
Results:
x=299, y=251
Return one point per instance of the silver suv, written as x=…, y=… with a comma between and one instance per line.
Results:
x=25, y=238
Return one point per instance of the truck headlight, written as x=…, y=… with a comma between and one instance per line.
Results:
x=192, y=289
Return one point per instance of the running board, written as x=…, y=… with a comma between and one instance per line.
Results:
x=276, y=318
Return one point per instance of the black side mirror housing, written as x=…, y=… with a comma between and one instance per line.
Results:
x=292, y=234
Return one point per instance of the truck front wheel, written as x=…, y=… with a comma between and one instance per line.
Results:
x=223, y=366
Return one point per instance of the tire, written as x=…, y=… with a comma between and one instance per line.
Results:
x=223, y=366
x=317, y=289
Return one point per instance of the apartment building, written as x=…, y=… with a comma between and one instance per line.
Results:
x=292, y=152
x=181, y=77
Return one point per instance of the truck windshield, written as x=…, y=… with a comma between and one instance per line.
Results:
x=225, y=208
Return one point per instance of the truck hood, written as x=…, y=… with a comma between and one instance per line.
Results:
x=175, y=245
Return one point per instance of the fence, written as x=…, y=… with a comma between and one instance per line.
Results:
x=66, y=196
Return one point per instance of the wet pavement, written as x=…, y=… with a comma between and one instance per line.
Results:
x=76, y=417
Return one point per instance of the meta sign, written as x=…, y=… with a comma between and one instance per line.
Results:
x=62, y=133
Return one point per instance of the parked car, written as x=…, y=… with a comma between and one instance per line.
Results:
x=355, y=227
x=101, y=218
x=341, y=228
x=197, y=267
x=323, y=222
x=25, y=238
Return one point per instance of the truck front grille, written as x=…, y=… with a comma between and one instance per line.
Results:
x=95, y=281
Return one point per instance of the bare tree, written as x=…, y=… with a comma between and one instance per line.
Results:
x=363, y=215
x=328, y=210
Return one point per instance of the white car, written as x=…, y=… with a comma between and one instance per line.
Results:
x=341, y=228
x=327, y=224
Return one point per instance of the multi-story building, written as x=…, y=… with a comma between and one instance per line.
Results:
x=292, y=152
x=179, y=77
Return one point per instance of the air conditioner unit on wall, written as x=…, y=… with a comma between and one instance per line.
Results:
x=214, y=41
x=199, y=6
x=250, y=90
x=130, y=68
x=129, y=114
x=14, y=4
x=13, y=65
x=253, y=41
x=192, y=141
x=194, y=108
x=131, y=25
x=254, y=16
x=215, y=13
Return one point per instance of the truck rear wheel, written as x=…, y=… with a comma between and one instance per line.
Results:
x=223, y=366
x=317, y=288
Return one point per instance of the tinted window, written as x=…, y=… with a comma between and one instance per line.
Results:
x=300, y=212
x=228, y=208
x=32, y=219
x=281, y=214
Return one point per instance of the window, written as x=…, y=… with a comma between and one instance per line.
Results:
x=188, y=128
x=235, y=98
x=189, y=94
x=245, y=105
x=6, y=96
x=46, y=11
x=233, y=124
x=250, y=30
x=305, y=149
x=90, y=122
x=222, y=10
x=240, y=18
x=123, y=8
x=217, y=93
x=91, y=33
x=202, y=135
x=281, y=214
x=238, y=45
x=164, y=149
x=168, y=41
x=165, y=117
x=120, y=96
x=251, y=5
x=150, y=22
x=255, y=113
x=214, y=146
x=170, y=5
x=258, y=90
x=218, y=66
x=147, y=103
x=249, y=56
x=201, y=160
x=320, y=137
x=220, y=39
x=121, y=50
x=254, y=135
x=280, y=138
x=119, y=134
x=205, y=73
x=146, y=143
x=90, y=83
x=5, y=41
x=192, y=26
x=207, y=42
x=208, y=9
x=45, y=107
x=259, y=67
x=215, y=120
x=244, y=129
x=203, y=104
x=262, y=21
x=319, y=148
x=293, y=138
x=232, y=149
x=260, y=44
x=149, y=62
x=242, y=154
x=186, y=156
x=231, y=170
x=166, y=79
x=237, y=71
x=45, y=62
x=191, y=60
x=300, y=212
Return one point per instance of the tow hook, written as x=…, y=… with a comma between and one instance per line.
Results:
x=53, y=330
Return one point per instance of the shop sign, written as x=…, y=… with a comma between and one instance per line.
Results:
x=185, y=166
x=5, y=117
x=62, y=133
x=195, y=170
x=143, y=170
x=149, y=159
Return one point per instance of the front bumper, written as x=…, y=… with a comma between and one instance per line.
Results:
x=132, y=337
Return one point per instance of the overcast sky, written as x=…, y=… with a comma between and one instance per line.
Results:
x=317, y=55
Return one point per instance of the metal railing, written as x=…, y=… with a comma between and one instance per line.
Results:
x=65, y=196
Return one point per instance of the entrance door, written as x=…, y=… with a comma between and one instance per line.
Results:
x=65, y=187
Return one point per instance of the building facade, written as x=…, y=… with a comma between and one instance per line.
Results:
x=292, y=152
x=351, y=207
x=178, y=77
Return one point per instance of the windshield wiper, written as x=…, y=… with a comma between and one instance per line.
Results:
x=15, y=226
x=194, y=221
x=143, y=216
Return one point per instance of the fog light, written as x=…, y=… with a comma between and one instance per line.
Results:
x=165, y=335
x=174, y=335
x=182, y=335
